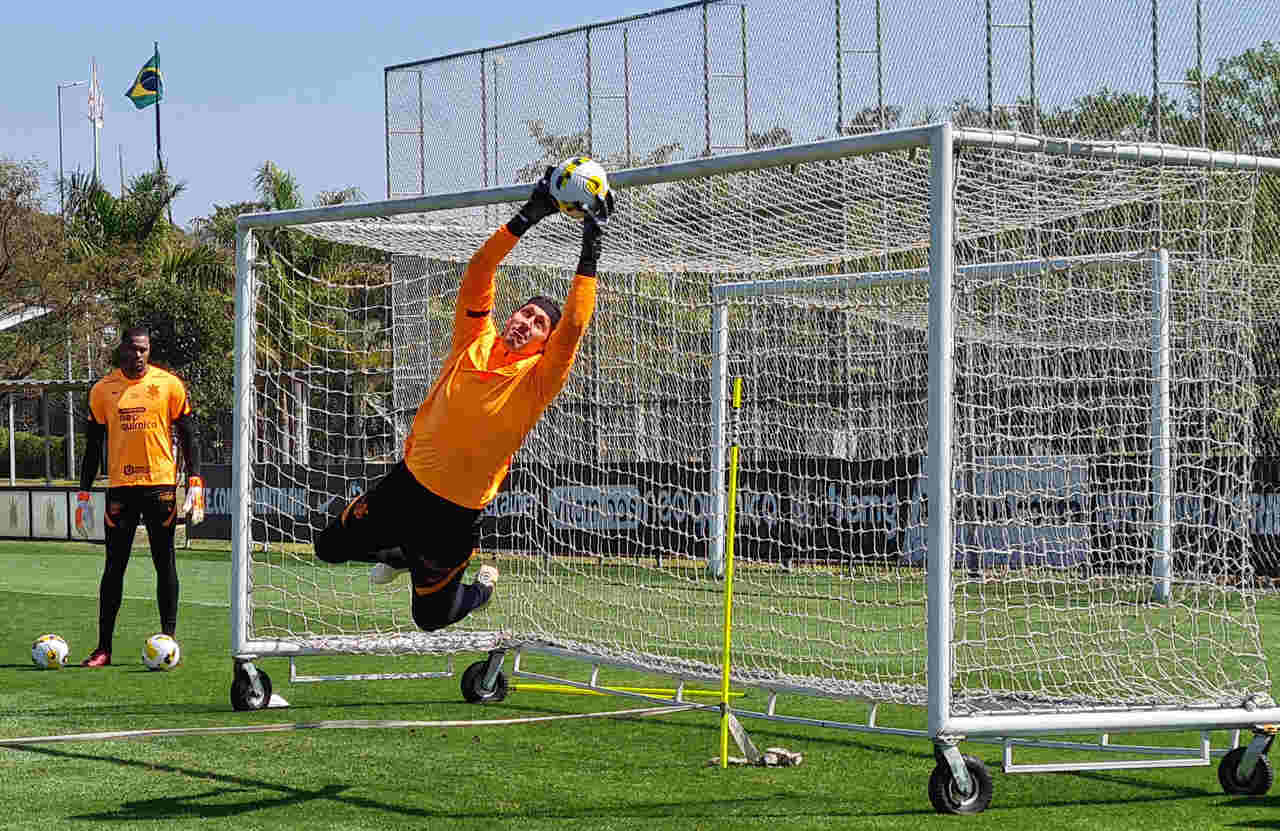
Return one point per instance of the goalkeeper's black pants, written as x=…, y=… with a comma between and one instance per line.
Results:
x=156, y=507
x=403, y=524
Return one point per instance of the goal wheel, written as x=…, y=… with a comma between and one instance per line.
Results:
x=471, y=680
x=242, y=694
x=1258, y=783
x=947, y=799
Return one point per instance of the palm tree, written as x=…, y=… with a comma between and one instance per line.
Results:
x=277, y=188
x=98, y=220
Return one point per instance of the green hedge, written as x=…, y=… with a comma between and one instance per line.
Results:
x=29, y=455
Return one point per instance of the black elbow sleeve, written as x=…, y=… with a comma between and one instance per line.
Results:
x=189, y=439
x=95, y=438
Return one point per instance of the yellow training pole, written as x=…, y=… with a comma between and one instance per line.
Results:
x=728, y=574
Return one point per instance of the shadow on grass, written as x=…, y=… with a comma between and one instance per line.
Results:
x=1172, y=793
x=261, y=794
x=199, y=805
x=1268, y=802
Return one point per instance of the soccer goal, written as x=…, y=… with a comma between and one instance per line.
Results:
x=995, y=440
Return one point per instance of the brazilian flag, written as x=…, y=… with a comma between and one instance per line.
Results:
x=148, y=87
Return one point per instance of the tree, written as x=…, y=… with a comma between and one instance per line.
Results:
x=218, y=229
x=1242, y=101
x=40, y=280
x=97, y=220
x=867, y=120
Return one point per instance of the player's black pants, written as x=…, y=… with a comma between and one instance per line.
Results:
x=402, y=524
x=156, y=507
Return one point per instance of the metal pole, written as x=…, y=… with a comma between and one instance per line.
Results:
x=880, y=68
x=1204, y=137
x=1031, y=37
x=159, y=157
x=1155, y=69
x=94, y=122
x=746, y=107
x=1161, y=431
x=422, y=150
x=44, y=430
x=706, y=79
x=587, y=34
x=991, y=93
x=386, y=129
x=484, y=116
x=839, y=76
x=626, y=91
x=941, y=415
x=71, y=421
x=243, y=423
x=13, y=444
x=61, y=201
x=61, y=187
x=498, y=61
x=719, y=425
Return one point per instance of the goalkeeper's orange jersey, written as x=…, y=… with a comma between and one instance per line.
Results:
x=479, y=410
x=139, y=415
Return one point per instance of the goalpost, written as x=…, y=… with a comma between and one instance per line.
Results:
x=995, y=440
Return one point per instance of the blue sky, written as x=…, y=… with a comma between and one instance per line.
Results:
x=298, y=83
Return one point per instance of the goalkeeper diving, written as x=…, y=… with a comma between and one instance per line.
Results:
x=423, y=516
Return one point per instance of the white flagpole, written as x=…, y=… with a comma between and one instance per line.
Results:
x=96, y=106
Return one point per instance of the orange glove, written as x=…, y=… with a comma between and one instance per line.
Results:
x=193, y=507
x=84, y=514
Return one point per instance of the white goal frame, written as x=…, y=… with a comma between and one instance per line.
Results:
x=942, y=140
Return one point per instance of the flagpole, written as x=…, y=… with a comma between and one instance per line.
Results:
x=159, y=158
x=94, y=90
x=160, y=95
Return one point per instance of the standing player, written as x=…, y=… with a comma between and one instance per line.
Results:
x=135, y=410
x=423, y=516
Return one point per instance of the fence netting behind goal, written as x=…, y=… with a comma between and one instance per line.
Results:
x=605, y=526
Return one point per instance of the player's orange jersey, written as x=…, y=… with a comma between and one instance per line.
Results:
x=139, y=415
x=478, y=410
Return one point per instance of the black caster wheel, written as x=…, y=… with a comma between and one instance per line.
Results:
x=1256, y=785
x=242, y=694
x=947, y=799
x=471, y=680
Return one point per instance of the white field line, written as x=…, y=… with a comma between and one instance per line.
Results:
x=347, y=724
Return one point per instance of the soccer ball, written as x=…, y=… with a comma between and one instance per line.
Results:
x=579, y=184
x=49, y=652
x=161, y=651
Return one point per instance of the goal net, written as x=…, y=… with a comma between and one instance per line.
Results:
x=1090, y=357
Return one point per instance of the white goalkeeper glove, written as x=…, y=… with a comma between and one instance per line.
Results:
x=84, y=514
x=193, y=507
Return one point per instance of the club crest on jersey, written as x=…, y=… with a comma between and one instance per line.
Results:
x=153, y=390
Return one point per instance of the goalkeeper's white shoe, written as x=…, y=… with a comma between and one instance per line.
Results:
x=487, y=576
x=381, y=574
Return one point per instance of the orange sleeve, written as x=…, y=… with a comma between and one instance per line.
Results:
x=179, y=404
x=475, y=294
x=562, y=346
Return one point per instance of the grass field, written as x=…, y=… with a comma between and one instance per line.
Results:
x=631, y=773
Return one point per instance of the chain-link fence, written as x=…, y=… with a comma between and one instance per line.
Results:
x=707, y=77
x=717, y=76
